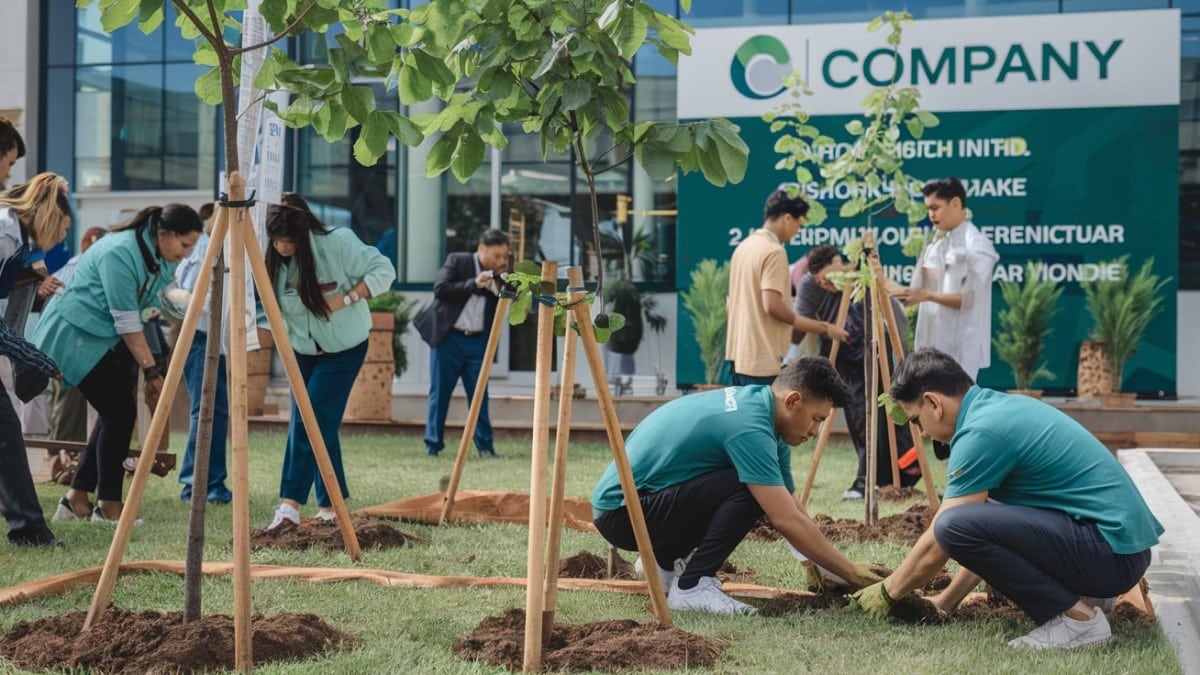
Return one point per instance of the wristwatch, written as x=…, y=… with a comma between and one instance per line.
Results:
x=350, y=298
x=152, y=371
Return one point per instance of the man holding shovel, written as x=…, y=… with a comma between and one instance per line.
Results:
x=708, y=466
x=1040, y=510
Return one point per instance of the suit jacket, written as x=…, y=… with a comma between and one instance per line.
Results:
x=452, y=287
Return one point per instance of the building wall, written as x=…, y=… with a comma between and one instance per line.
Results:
x=19, y=78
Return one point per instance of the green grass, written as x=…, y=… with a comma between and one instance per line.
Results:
x=410, y=631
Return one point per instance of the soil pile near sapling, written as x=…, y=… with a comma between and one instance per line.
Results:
x=897, y=495
x=585, y=565
x=603, y=646
x=906, y=526
x=740, y=574
x=793, y=603
x=156, y=642
x=317, y=533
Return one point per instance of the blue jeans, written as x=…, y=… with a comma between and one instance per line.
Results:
x=457, y=357
x=1041, y=559
x=328, y=379
x=193, y=378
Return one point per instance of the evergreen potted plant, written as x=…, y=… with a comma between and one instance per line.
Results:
x=1122, y=309
x=705, y=301
x=1024, y=325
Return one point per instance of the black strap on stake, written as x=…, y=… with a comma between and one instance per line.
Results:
x=223, y=200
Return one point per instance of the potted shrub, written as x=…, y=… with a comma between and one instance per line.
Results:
x=705, y=301
x=371, y=396
x=1122, y=310
x=1024, y=326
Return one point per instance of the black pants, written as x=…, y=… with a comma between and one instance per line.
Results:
x=110, y=388
x=704, y=518
x=18, y=499
x=1042, y=559
x=856, y=423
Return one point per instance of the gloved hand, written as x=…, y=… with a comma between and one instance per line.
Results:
x=873, y=600
x=869, y=573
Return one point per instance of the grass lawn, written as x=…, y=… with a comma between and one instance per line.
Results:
x=410, y=631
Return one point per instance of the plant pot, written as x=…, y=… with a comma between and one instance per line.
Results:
x=371, y=396
x=1031, y=393
x=258, y=372
x=1095, y=373
x=1118, y=399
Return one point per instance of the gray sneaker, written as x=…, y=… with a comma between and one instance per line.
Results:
x=1063, y=632
x=666, y=577
x=706, y=596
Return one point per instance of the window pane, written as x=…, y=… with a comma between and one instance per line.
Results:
x=58, y=147
x=737, y=13
x=177, y=48
x=1111, y=5
x=836, y=11
x=189, y=138
x=125, y=45
x=1189, y=156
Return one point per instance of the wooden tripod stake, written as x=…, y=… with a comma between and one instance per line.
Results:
x=232, y=224
x=827, y=425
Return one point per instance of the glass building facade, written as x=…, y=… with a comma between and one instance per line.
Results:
x=120, y=115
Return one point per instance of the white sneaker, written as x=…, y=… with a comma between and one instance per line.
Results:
x=666, y=577
x=64, y=512
x=706, y=596
x=98, y=517
x=284, y=512
x=327, y=515
x=852, y=493
x=1063, y=632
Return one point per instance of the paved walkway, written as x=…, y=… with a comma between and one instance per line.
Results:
x=1169, y=480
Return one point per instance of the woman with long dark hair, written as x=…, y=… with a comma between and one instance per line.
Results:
x=94, y=333
x=322, y=278
x=34, y=215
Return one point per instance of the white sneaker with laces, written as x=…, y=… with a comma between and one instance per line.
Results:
x=284, y=512
x=666, y=577
x=1063, y=632
x=327, y=515
x=706, y=596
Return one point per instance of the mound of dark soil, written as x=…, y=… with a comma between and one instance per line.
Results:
x=317, y=533
x=793, y=603
x=153, y=642
x=740, y=574
x=906, y=526
x=602, y=646
x=893, y=494
x=585, y=565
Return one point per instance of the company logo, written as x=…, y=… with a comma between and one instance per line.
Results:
x=759, y=66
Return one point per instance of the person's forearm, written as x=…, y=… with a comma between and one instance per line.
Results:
x=136, y=342
x=962, y=583
x=951, y=300
x=803, y=534
x=923, y=562
x=782, y=312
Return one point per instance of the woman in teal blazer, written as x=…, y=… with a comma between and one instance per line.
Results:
x=94, y=334
x=322, y=278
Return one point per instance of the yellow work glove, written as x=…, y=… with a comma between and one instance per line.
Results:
x=873, y=600
x=871, y=573
x=813, y=580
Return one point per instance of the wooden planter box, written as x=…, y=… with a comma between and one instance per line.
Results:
x=258, y=373
x=371, y=397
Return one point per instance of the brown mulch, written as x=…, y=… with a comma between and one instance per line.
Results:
x=741, y=574
x=905, y=526
x=317, y=533
x=894, y=495
x=603, y=646
x=585, y=565
x=155, y=642
x=794, y=603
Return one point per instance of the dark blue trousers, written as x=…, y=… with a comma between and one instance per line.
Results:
x=328, y=379
x=18, y=499
x=1042, y=559
x=457, y=357
x=704, y=518
x=193, y=378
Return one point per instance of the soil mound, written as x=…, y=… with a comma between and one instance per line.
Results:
x=893, y=494
x=741, y=574
x=157, y=642
x=317, y=533
x=585, y=565
x=906, y=526
x=602, y=646
x=793, y=603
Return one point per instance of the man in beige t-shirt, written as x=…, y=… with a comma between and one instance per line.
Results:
x=759, y=308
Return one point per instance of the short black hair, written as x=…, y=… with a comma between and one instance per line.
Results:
x=929, y=370
x=947, y=189
x=814, y=377
x=11, y=138
x=780, y=202
x=493, y=237
x=820, y=257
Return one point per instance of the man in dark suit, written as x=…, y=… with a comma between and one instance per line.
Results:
x=465, y=294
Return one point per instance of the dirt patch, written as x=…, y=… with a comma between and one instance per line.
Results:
x=156, y=642
x=585, y=565
x=764, y=530
x=793, y=603
x=317, y=533
x=913, y=608
x=906, y=526
x=741, y=574
x=896, y=495
x=603, y=646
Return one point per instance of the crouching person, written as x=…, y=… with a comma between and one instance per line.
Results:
x=708, y=465
x=1040, y=510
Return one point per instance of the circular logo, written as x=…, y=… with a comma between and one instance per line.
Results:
x=759, y=67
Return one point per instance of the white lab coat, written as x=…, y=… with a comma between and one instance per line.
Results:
x=959, y=261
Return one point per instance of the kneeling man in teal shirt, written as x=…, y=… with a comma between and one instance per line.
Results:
x=708, y=466
x=1034, y=505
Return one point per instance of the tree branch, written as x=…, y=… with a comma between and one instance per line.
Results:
x=218, y=30
x=216, y=42
x=614, y=165
x=279, y=36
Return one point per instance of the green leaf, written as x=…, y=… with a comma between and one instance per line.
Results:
x=117, y=13
x=414, y=86
x=441, y=154
x=875, y=24
x=359, y=102
x=469, y=157
x=927, y=118
x=915, y=127
x=519, y=310
x=854, y=127
x=380, y=45
x=150, y=16
x=330, y=120
x=401, y=127
x=208, y=87
x=631, y=33
x=372, y=139
x=576, y=93
x=852, y=207
x=433, y=68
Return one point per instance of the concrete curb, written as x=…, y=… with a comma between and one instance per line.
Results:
x=1174, y=574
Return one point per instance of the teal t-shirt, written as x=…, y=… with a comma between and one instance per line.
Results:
x=1027, y=453
x=701, y=433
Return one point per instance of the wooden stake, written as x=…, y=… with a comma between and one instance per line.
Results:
x=536, y=558
x=576, y=292
x=243, y=653
x=154, y=435
x=885, y=375
x=658, y=598
x=283, y=347
x=827, y=425
x=871, y=503
x=485, y=372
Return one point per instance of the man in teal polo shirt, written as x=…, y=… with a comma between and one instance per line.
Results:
x=708, y=466
x=1034, y=505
